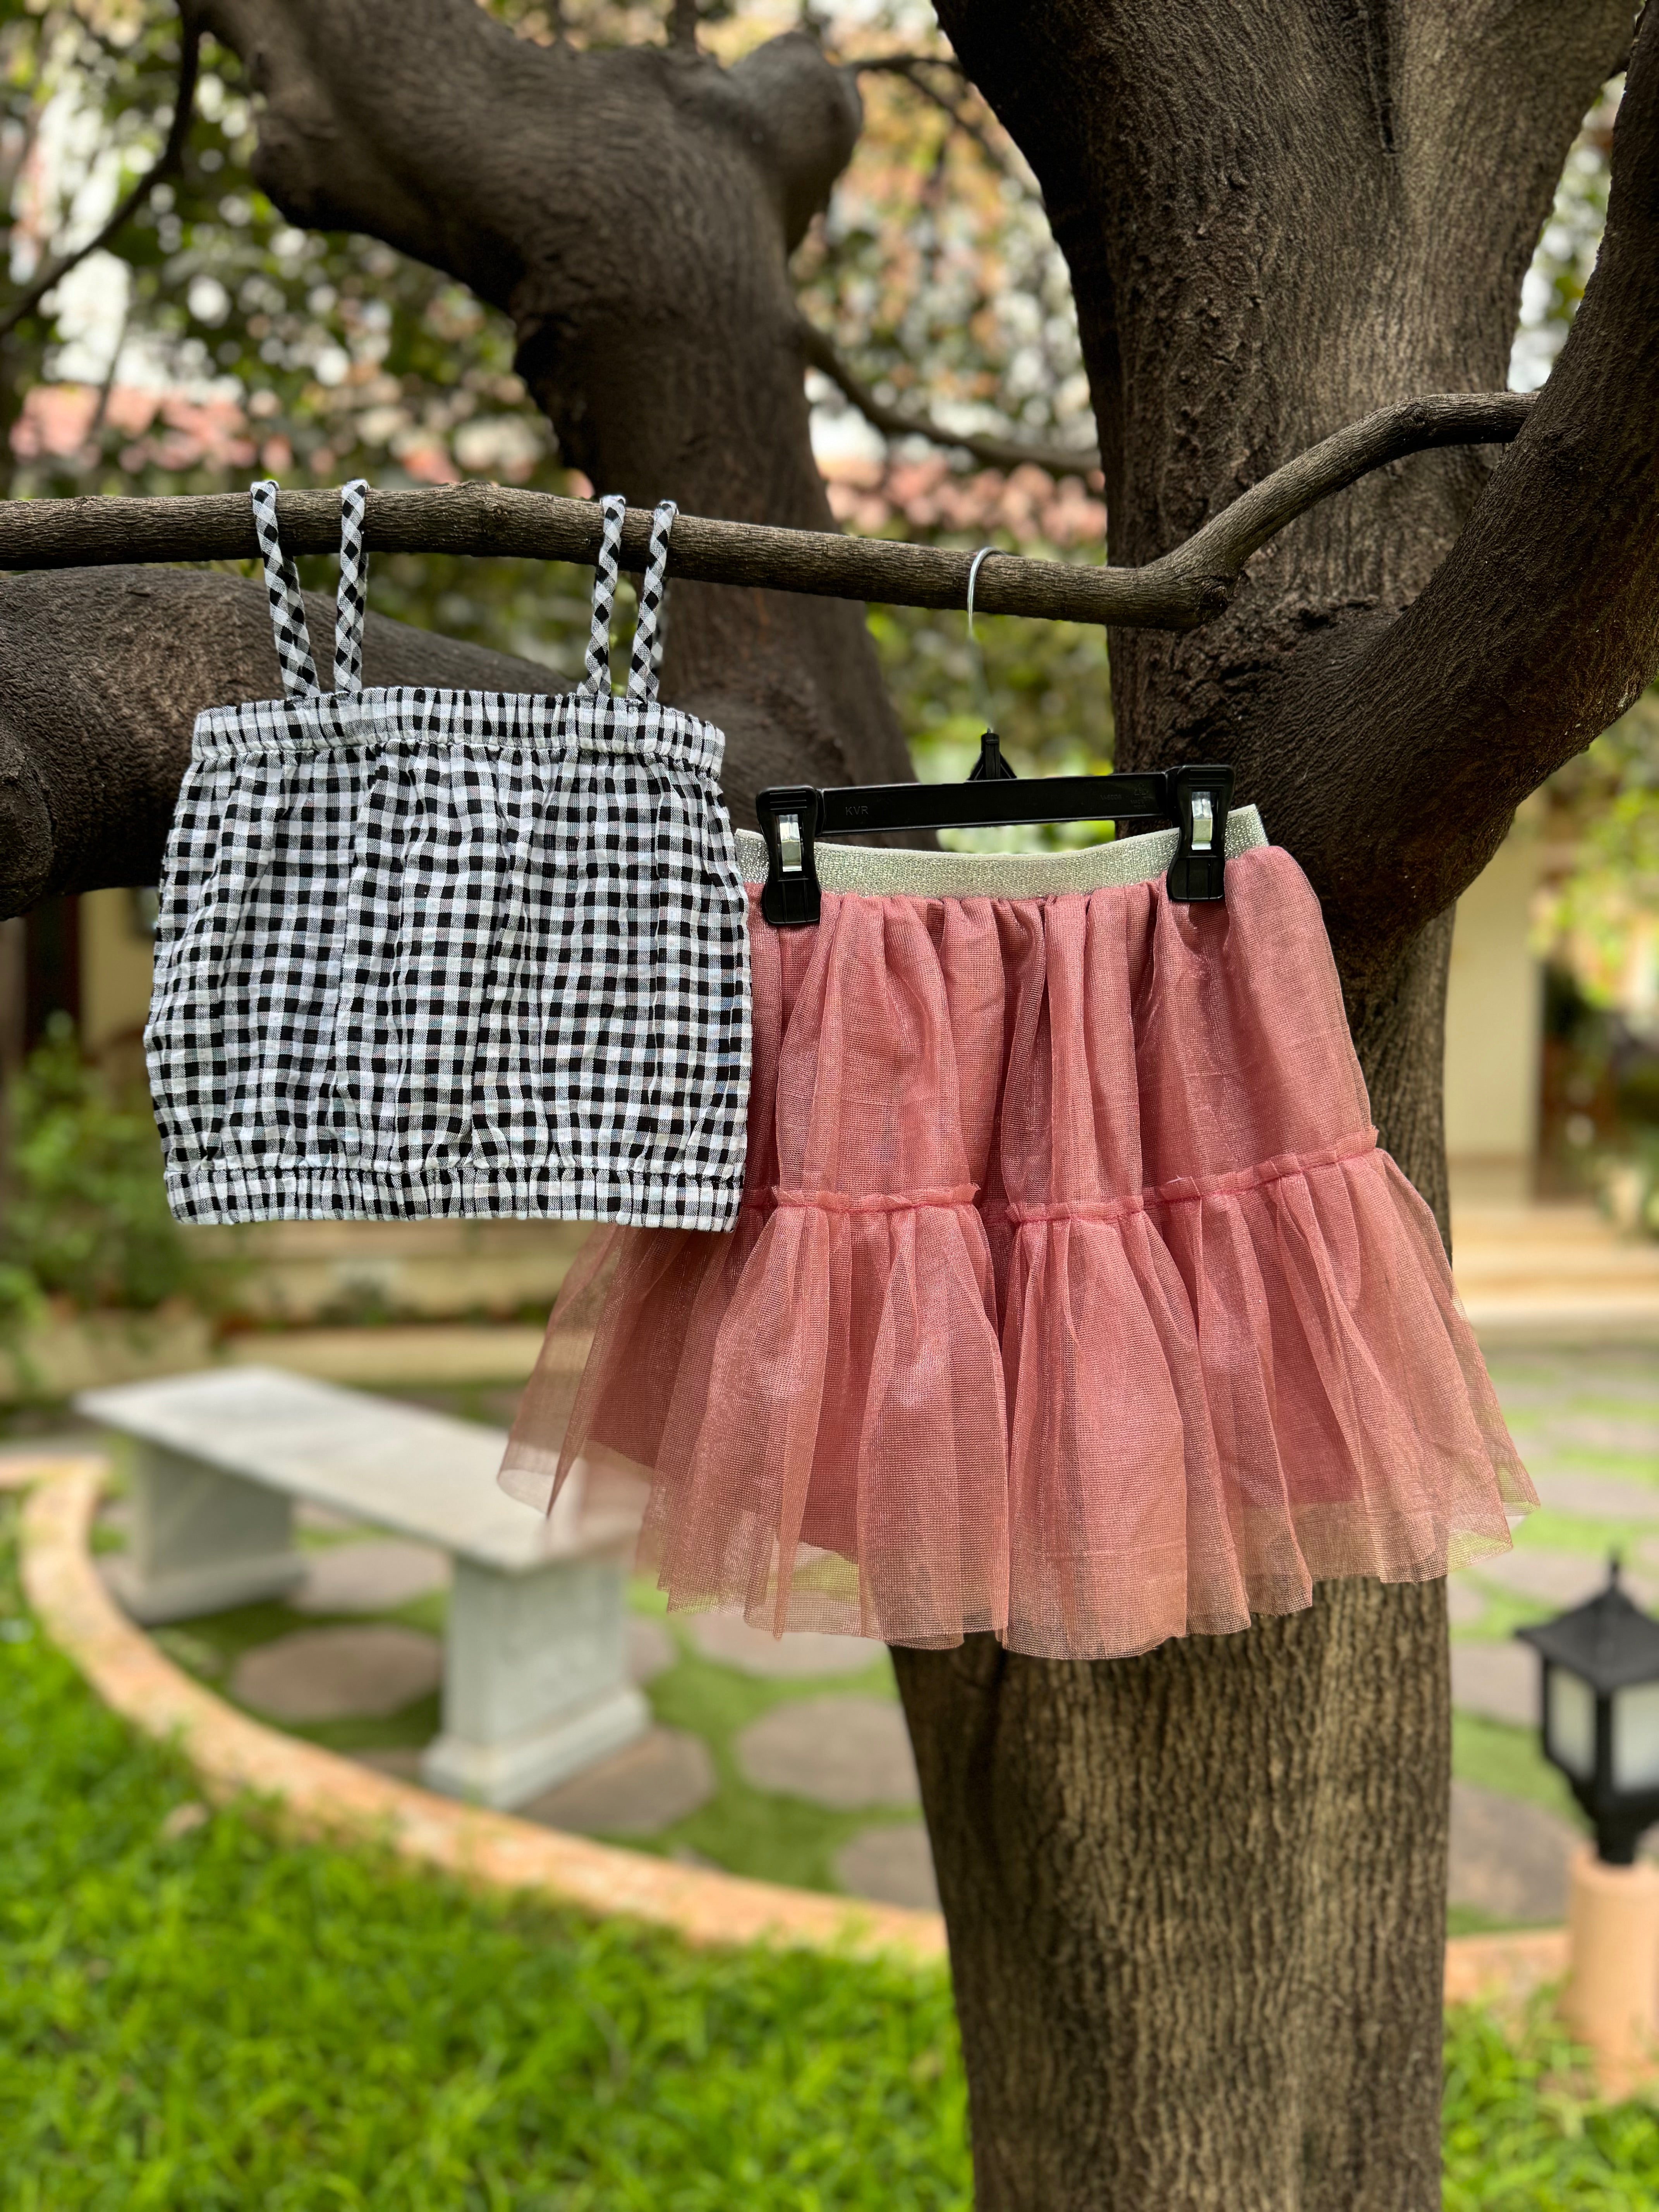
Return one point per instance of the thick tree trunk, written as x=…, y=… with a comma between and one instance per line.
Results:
x=1194, y=1966
x=633, y=212
x=102, y=682
x=1197, y=1901
x=1194, y=1898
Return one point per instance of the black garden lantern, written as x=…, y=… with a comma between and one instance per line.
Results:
x=1600, y=1713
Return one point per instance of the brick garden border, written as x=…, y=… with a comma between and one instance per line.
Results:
x=319, y=1793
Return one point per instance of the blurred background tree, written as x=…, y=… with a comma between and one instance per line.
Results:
x=206, y=340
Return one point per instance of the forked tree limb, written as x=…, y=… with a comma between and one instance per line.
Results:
x=911, y=68
x=1541, y=625
x=105, y=671
x=632, y=211
x=1396, y=674
x=1180, y=591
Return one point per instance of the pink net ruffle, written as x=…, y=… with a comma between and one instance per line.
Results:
x=1071, y=1298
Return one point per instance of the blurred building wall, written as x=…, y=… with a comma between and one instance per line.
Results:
x=1494, y=1012
x=115, y=964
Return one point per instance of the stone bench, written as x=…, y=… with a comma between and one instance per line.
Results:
x=536, y=1683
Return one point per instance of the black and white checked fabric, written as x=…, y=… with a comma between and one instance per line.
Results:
x=288, y=611
x=649, y=633
x=351, y=599
x=442, y=952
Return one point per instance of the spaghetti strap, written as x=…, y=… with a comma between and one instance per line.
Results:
x=351, y=599
x=615, y=508
x=646, y=658
x=288, y=611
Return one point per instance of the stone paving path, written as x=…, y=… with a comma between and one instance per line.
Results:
x=1509, y=1860
x=377, y=1575
x=731, y=1642
x=338, y=1674
x=810, y=1728
x=846, y=1753
x=666, y=1775
x=892, y=1864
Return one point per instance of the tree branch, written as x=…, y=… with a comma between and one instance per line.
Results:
x=166, y=165
x=1180, y=591
x=104, y=674
x=909, y=66
x=823, y=353
x=1540, y=626
x=683, y=25
x=632, y=211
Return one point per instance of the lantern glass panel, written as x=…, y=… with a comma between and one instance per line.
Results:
x=1569, y=1722
x=1636, y=1737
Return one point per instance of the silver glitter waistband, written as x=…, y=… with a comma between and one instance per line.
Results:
x=877, y=870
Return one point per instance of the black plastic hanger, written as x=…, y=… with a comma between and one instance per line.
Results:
x=793, y=816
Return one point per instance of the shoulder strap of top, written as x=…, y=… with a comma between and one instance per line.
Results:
x=287, y=612
x=614, y=507
x=287, y=609
x=351, y=599
x=647, y=656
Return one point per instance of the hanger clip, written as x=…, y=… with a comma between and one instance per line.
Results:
x=1200, y=795
x=1197, y=799
x=990, y=767
x=789, y=817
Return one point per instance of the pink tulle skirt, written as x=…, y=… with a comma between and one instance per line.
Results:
x=1072, y=1299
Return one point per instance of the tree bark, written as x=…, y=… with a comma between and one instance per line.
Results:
x=633, y=212
x=1195, y=1899
x=55, y=820
x=1193, y=1965
x=102, y=683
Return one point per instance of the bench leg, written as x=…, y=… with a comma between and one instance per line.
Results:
x=536, y=1682
x=201, y=1540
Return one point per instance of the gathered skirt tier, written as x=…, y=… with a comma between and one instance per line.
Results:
x=1072, y=1299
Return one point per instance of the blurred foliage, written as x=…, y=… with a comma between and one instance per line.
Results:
x=1599, y=915
x=243, y=343
x=1597, y=925
x=935, y=269
x=214, y=338
x=1525, y=2130
x=1599, y=1125
x=1628, y=1181
x=1044, y=687
x=85, y=1219
x=1567, y=247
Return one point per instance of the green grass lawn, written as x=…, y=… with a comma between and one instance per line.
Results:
x=1519, y=2136
x=194, y=2016
x=209, y=2018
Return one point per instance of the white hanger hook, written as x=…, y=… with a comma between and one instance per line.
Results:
x=984, y=553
